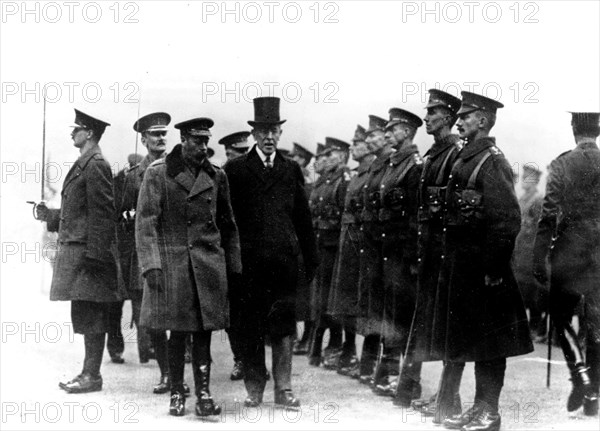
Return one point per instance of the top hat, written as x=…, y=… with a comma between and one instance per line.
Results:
x=266, y=111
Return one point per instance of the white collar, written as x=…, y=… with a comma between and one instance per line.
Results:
x=263, y=156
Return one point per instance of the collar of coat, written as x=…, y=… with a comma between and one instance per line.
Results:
x=442, y=145
x=364, y=165
x=85, y=158
x=176, y=165
x=335, y=174
x=402, y=154
x=476, y=147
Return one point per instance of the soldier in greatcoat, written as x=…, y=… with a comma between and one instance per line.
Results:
x=483, y=319
x=569, y=234
x=85, y=271
x=327, y=205
x=188, y=249
x=343, y=298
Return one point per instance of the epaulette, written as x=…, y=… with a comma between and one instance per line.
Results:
x=98, y=156
x=347, y=176
x=496, y=151
x=460, y=144
x=418, y=159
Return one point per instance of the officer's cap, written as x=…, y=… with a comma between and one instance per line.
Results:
x=375, y=123
x=443, y=99
x=472, y=102
x=360, y=134
x=236, y=140
x=196, y=127
x=334, y=144
x=155, y=122
x=401, y=116
x=85, y=121
x=302, y=152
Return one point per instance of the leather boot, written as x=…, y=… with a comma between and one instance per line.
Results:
x=335, y=339
x=205, y=406
x=315, y=357
x=368, y=359
x=282, y=371
x=590, y=401
x=487, y=419
x=458, y=421
x=90, y=379
x=448, y=401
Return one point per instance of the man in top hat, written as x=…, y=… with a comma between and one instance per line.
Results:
x=271, y=208
x=438, y=161
x=236, y=144
x=343, y=298
x=395, y=251
x=85, y=271
x=569, y=234
x=188, y=249
x=484, y=319
x=534, y=294
x=327, y=205
x=153, y=130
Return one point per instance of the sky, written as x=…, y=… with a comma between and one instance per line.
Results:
x=332, y=63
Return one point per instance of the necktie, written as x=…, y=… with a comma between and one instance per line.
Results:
x=268, y=163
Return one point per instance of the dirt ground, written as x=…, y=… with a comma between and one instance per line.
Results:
x=38, y=350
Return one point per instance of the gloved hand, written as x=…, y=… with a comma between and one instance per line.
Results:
x=154, y=278
x=41, y=212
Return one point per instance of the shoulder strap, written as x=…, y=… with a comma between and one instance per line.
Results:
x=473, y=177
x=440, y=176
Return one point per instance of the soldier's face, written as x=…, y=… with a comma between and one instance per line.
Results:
x=299, y=159
x=468, y=125
x=375, y=141
x=79, y=136
x=319, y=163
x=195, y=147
x=231, y=153
x=155, y=142
x=390, y=138
x=359, y=150
x=267, y=138
x=435, y=120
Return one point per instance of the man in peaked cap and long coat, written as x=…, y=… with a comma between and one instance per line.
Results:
x=485, y=320
x=327, y=205
x=438, y=161
x=236, y=144
x=188, y=248
x=85, y=270
x=270, y=205
x=343, y=298
x=153, y=129
x=569, y=233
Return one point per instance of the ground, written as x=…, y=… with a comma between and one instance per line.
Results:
x=39, y=350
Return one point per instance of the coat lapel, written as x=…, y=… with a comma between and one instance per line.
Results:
x=277, y=172
x=203, y=182
x=255, y=164
x=80, y=165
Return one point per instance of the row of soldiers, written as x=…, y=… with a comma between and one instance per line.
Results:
x=413, y=253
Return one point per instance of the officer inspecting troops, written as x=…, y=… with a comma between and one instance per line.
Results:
x=569, y=236
x=236, y=144
x=85, y=270
x=343, y=298
x=271, y=208
x=153, y=130
x=438, y=161
x=484, y=319
x=327, y=205
x=188, y=248
x=398, y=219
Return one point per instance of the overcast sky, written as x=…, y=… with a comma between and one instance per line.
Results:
x=190, y=60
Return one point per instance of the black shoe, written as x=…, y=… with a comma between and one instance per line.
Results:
x=117, y=358
x=443, y=411
x=238, y=371
x=144, y=356
x=314, y=361
x=177, y=405
x=387, y=388
x=286, y=399
x=458, y=421
x=348, y=366
x=423, y=403
x=205, y=406
x=84, y=383
x=63, y=385
x=486, y=420
x=366, y=379
x=331, y=361
x=253, y=400
x=163, y=386
x=590, y=405
x=581, y=387
x=406, y=392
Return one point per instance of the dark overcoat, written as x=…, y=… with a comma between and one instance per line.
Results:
x=184, y=225
x=86, y=229
x=274, y=222
x=438, y=162
x=327, y=206
x=571, y=215
x=398, y=216
x=482, y=218
x=343, y=298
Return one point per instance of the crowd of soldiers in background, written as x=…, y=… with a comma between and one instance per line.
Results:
x=416, y=254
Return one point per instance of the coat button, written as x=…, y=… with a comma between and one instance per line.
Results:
x=385, y=259
x=209, y=223
x=209, y=200
x=190, y=246
x=383, y=235
x=189, y=199
x=189, y=222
